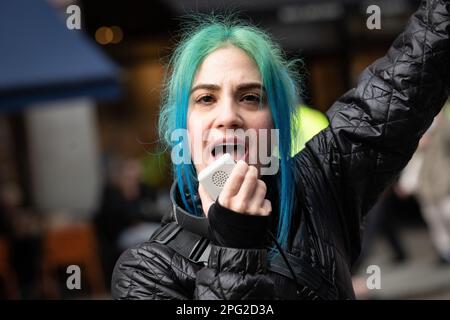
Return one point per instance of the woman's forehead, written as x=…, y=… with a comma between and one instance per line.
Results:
x=227, y=64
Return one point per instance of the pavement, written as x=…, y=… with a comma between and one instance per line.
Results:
x=420, y=276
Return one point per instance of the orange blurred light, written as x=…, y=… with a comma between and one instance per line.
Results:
x=117, y=34
x=104, y=35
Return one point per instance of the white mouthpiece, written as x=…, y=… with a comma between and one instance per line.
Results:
x=214, y=176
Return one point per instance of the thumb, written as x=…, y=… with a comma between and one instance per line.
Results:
x=206, y=199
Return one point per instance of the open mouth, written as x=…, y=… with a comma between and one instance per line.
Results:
x=237, y=151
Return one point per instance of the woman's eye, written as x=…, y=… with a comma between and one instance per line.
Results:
x=252, y=98
x=205, y=99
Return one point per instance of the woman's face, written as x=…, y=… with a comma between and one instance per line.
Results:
x=226, y=95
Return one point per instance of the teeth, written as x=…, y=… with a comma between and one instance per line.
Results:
x=233, y=149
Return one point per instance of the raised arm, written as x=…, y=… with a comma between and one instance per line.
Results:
x=375, y=127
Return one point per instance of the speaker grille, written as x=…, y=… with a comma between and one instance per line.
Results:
x=219, y=178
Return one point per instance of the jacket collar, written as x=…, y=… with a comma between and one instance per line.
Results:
x=194, y=224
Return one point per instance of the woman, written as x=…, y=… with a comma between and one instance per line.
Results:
x=295, y=234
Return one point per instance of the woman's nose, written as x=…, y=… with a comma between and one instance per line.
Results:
x=228, y=115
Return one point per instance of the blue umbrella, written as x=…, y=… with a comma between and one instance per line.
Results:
x=42, y=60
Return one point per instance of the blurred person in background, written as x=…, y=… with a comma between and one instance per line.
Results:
x=397, y=198
x=128, y=213
x=23, y=228
x=381, y=221
x=294, y=235
x=433, y=190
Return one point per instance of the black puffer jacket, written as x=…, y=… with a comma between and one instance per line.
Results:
x=374, y=130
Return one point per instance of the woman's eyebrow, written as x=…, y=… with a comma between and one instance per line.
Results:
x=214, y=87
x=241, y=87
x=251, y=85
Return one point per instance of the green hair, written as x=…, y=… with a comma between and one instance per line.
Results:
x=202, y=37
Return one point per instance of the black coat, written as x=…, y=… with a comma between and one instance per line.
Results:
x=374, y=130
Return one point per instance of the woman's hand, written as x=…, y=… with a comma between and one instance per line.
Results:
x=242, y=193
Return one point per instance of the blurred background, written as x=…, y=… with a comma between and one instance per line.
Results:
x=82, y=176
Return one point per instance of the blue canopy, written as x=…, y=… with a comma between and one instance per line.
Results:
x=42, y=60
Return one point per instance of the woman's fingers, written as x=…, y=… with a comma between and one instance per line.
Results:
x=234, y=182
x=248, y=187
x=266, y=208
x=258, y=198
x=243, y=192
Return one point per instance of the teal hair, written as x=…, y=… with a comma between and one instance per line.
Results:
x=278, y=79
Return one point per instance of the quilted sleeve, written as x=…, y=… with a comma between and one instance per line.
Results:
x=152, y=271
x=375, y=127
